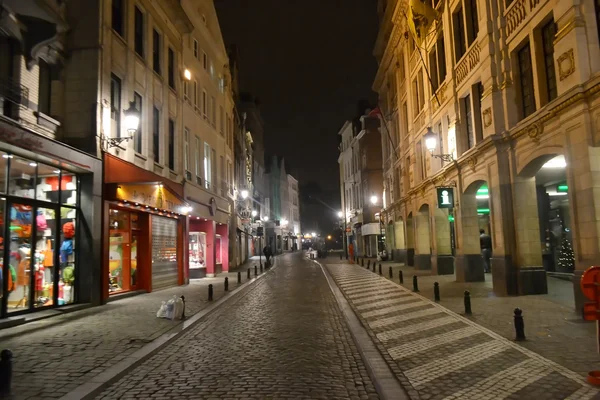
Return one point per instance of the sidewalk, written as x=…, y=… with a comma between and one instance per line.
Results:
x=55, y=355
x=552, y=327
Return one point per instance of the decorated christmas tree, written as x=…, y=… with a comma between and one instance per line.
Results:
x=566, y=257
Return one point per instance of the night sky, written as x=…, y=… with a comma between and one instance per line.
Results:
x=308, y=62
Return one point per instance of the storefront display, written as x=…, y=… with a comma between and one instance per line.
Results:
x=218, y=249
x=197, y=250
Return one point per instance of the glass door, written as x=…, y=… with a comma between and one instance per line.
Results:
x=19, y=290
x=133, y=260
x=119, y=252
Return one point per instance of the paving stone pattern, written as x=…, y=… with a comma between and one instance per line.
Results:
x=55, y=355
x=286, y=338
x=442, y=355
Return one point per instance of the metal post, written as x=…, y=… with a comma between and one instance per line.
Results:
x=436, y=291
x=261, y=268
x=248, y=270
x=210, y=292
x=5, y=371
x=415, y=284
x=369, y=264
x=183, y=312
x=239, y=277
x=519, y=324
x=379, y=268
x=468, y=303
x=226, y=284
x=256, y=270
x=391, y=273
x=401, y=277
x=260, y=250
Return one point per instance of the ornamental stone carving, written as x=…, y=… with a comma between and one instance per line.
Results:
x=566, y=64
x=487, y=117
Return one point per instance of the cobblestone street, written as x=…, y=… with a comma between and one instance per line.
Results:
x=439, y=354
x=286, y=338
x=55, y=355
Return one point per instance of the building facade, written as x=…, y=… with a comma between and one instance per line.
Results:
x=497, y=102
x=294, y=213
x=51, y=193
x=361, y=185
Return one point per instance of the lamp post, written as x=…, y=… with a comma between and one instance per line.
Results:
x=131, y=122
x=431, y=144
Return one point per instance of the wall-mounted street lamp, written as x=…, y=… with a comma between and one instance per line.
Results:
x=244, y=194
x=340, y=214
x=254, y=213
x=284, y=222
x=431, y=139
x=131, y=123
x=265, y=218
x=374, y=199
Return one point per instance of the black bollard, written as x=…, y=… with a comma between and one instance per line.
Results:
x=340, y=256
x=380, y=269
x=369, y=264
x=183, y=312
x=261, y=268
x=5, y=372
x=401, y=277
x=226, y=284
x=415, y=284
x=362, y=262
x=374, y=266
x=256, y=270
x=248, y=270
x=519, y=324
x=436, y=291
x=239, y=277
x=210, y=292
x=391, y=273
x=468, y=303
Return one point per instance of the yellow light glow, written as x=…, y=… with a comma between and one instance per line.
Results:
x=187, y=74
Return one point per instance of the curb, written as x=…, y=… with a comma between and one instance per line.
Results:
x=95, y=385
x=385, y=381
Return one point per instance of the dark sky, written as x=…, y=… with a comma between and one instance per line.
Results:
x=308, y=62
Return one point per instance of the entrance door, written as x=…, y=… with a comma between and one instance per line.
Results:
x=119, y=264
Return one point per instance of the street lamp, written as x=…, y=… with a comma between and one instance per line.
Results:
x=244, y=194
x=254, y=213
x=313, y=234
x=284, y=222
x=131, y=123
x=265, y=218
x=340, y=214
x=431, y=144
x=374, y=199
x=187, y=75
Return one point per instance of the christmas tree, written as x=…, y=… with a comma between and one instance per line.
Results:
x=566, y=258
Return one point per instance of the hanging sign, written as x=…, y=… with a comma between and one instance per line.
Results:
x=445, y=197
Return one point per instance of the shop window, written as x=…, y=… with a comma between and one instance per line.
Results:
x=68, y=273
x=119, y=253
x=20, y=262
x=21, y=179
x=44, y=271
x=47, y=187
x=68, y=188
x=218, y=249
x=197, y=250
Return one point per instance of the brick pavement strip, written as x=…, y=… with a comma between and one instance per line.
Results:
x=286, y=338
x=439, y=354
x=56, y=355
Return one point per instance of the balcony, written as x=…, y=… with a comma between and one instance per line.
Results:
x=13, y=96
x=517, y=13
x=467, y=63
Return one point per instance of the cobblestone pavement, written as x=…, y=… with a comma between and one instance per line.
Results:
x=55, y=355
x=438, y=354
x=286, y=338
x=552, y=327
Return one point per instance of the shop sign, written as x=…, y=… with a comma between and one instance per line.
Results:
x=151, y=195
x=445, y=197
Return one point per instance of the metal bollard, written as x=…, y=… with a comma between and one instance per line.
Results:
x=261, y=268
x=379, y=268
x=5, y=372
x=239, y=277
x=468, y=302
x=436, y=291
x=519, y=324
x=256, y=270
x=210, y=292
x=374, y=266
x=226, y=284
x=369, y=264
x=415, y=284
x=340, y=257
x=183, y=312
x=401, y=277
x=391, y=273
x=248, y=270
x=362, y=262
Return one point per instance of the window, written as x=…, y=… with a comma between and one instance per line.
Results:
x=437, y=64
x=548, y=33
x=115, y=104
x=469, y=122
x=197, y=157
x=155, y=134
x=213, y=168
x=156, y=51
x=478, y=94
x=45, y=89
x=597, y=9
x=458, y=26
x=221, y=84
x=418, y=94
x=196, y=95
x=139, y=32
x=472, y=20
x=404, y=119
x=195, y=49
x=212, y=70
x=223, y=177
x=526, y=81
x=171, y=145
x=138, y=135
x=205, y=61
x=421, y=161
x=416, y=97
x=171, y=68
x=204, y=104
x=213, y=111
x=186, y=90
x=402, y=71
x=207, y=166
x=221, y=120
x=118, y=20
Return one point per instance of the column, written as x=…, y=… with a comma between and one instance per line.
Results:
x=423, y=240
x=443, y=261
x=469, y=263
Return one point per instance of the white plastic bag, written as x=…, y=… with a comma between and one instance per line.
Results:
x=178, y=308
x=162, y=311
x=170, y=309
